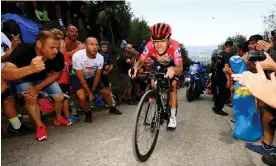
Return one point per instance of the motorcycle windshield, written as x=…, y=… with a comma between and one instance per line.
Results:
x=193, y=69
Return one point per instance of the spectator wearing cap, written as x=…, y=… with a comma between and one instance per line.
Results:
x=223, y=80
x=123, y=44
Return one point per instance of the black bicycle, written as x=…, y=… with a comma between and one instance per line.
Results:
x=148, y=120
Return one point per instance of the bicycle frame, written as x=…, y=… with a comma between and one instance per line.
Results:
x=162, y=114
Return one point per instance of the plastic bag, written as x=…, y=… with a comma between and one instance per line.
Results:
x=248, y=126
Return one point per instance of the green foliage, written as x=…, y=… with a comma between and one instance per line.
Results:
x=186, y=60
x=269, y=23
x=237, y=39
x=139, y=31
x=216, y=52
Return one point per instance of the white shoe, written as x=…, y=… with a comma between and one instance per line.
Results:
x=172, y=123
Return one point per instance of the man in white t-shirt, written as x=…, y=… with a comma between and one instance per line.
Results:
x=86, y=77
x=16, y=128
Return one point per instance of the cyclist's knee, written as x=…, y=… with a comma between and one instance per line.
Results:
x=174, y=83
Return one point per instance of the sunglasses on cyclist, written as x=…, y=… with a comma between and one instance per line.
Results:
x=158, y=39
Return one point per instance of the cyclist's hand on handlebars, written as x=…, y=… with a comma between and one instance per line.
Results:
x=170, y=73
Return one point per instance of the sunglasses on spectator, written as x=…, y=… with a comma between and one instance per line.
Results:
x=60, y=38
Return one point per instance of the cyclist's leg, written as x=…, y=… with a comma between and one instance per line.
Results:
x=173, y=103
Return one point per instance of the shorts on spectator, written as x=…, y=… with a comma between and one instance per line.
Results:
x=52, y=89
x=66, y=90
x=105, y=80
x=76, y=85
x=9, y=93
x=125, y=79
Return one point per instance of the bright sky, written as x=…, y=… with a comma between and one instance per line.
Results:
x=192, y=21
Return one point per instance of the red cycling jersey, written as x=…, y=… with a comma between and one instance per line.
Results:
x=174, y=52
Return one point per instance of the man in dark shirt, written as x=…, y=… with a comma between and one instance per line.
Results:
x=124, y=64
x=31, y=83
x=223, y=81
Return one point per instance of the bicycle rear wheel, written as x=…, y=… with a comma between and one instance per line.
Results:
x=147, y=120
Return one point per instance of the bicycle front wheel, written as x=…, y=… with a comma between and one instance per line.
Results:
x=146, y=128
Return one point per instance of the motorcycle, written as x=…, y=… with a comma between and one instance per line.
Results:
x=195, y=82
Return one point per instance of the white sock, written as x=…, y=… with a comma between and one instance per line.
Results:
x=60, y=22
x=173, y=111
x=15, y=122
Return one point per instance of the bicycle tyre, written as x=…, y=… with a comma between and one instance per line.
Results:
x=138, y=156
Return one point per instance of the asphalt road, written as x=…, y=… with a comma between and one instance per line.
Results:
x=201, y=139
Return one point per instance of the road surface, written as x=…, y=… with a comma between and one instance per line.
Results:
x=201, y=139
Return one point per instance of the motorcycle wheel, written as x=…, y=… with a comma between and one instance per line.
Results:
x=189, y=93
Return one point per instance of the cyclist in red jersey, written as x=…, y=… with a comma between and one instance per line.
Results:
x=167, y=52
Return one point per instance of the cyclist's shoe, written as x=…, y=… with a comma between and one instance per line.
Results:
x=259, y=147
x=73, y=119
x=61, y=121
x=172, y=123
x=269, y=159
x=88, y=117
x=41, y=133
x=114, y=110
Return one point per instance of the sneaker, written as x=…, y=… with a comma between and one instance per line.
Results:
x=41, y=133
x=73, y=119
x=62, y=28
x=62, y=121
x=114, y=110
x=229, y=105
x=269, y=159
x=219, y=112
x=88, y=117
x=172, y=123
x=260, y=148
x=23, y=130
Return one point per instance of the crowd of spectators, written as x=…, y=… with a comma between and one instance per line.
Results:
x=232, y=81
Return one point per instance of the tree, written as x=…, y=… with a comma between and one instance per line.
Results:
x=186, y=60
x=216, y=52
x=270, y=20
x=139, y=31
x=270, y=23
